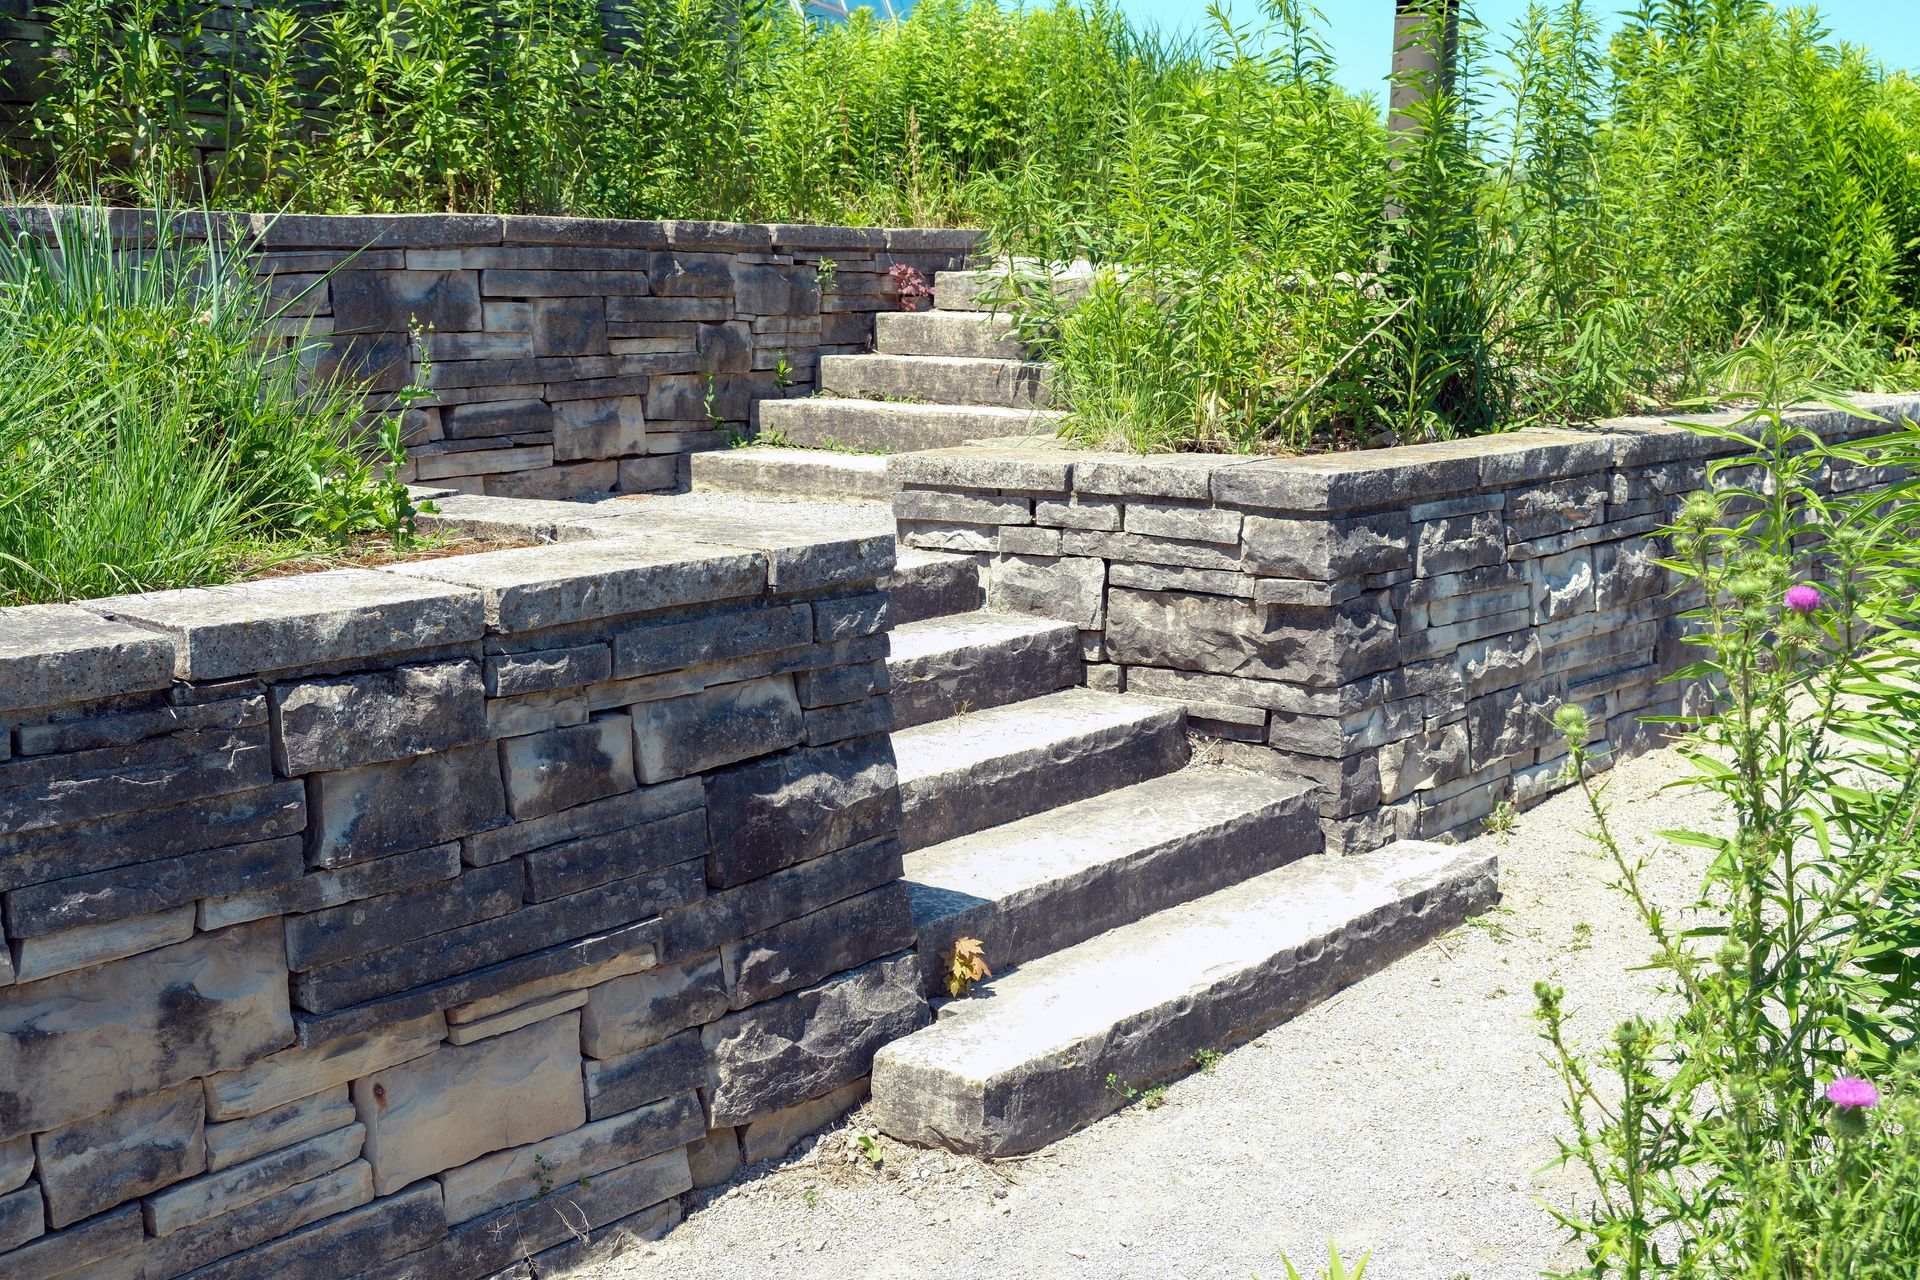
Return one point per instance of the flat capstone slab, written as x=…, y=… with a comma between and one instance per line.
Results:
x=304, y=621
x=531, y=588
x=54, y=654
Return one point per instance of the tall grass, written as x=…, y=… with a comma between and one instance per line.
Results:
x=151, y=433
x=1581, y=225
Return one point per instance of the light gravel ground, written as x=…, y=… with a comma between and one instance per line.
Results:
x=1412, y=1116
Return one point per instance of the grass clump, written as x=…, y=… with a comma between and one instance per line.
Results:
x=154, y=430
x=1579, y=226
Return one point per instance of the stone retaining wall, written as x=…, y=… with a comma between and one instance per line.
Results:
x=1397, y=625
x=573, y=356
x=427, y=920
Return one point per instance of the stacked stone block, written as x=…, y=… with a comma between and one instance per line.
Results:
x=1397, y=626
x=439, y=920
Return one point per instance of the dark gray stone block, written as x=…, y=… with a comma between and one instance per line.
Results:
x=346, y=1244
x=543, y=670
x=811, y=1042
x=395, y=920
x=56, y=791
x=391, y=301
x=544, y=964
x=801, y=952
x=613, y=814
x=476, y=946
x=783, y=895
x=99, y=1246
x=380, y=715
x=568, y=766
x=672, y=645
x=247, y=710
x=122, y=1153
x=677, y=1064
x=494, y=418
x=153, y=886
x=674, y=737
x=642, y=1009
x=573, y=866
x=769, y=814
x=1326, y=550
x=366, y=812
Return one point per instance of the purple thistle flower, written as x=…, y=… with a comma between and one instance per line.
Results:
x=1851, y=1092
x=1803, y=599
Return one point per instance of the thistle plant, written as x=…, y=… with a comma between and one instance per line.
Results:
x=1759, y=1121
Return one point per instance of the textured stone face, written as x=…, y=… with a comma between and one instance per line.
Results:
x=1326, y=550
x=366, y=812
x=1213, y=633
x=632, y=1013
x=1072, y=589
x=495, y=1181
x=73, y=1045
x=122, y=1153
x=382, y=715
x=769, y=814
x=463, y=1101
x=293, y=1074
x=548, y=772
x=678, y=736
x=812, y=1042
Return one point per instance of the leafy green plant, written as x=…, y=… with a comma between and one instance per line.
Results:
x=154, y=430
x=1336, y=1268
x=1765, y=1129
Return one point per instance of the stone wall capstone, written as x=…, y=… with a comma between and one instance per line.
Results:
x=1396, y=625
x=426, y=920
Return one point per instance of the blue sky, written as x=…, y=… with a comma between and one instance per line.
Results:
x=1361, y=31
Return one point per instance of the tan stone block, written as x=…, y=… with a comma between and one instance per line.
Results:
x=92, y=944
x=772, y=1136
x=463, y=1101
x=77, y=1043
x=513, y=1019
x=122, y=1153
x=296, y=1073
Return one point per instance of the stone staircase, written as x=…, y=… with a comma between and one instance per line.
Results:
x=1139, y=908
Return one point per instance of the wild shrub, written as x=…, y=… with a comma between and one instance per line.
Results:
x=1762, y=1121
x=153, y=430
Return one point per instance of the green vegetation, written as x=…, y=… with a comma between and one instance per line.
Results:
x=1581, y=227
x=1762, y=1121
x=153, y=430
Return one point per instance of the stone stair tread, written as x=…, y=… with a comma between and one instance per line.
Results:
x=899, y=426
x=961, y=774
x=1057, y=878
x=773, y=470
x=971, y=630
x=959, y=663
x=1027, y=1058
x=945, y=380
x=984, y=334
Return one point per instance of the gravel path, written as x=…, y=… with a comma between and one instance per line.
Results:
x=1412, y=1116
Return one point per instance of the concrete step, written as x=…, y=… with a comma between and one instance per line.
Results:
x=983, y=335
x=1041, y=884
x=953, y=665
x=898, y=427
x=1012, y=384
x=930, y=584
x=1058, y=1042
x=959, y=776
x=985, y=288
x=793, y=473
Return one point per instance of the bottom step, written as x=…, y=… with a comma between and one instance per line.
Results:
x=1030, y=1057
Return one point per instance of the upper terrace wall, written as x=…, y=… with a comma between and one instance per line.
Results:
x=1398, y=625
x=418, y=921
x=573, y=356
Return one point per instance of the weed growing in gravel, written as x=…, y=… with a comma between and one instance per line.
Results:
x=1207, y=1060
x=1739, y=1137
